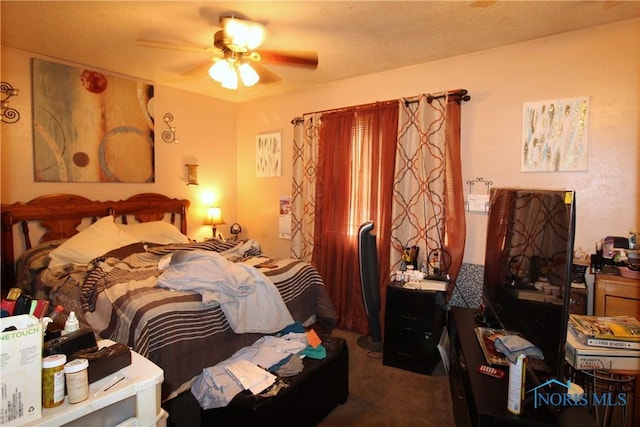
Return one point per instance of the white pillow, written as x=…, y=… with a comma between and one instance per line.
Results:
x=97, y=239
x=160, y=232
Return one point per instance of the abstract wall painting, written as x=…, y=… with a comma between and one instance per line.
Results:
x=555, y=135
x=269, y=155
x=90, y=127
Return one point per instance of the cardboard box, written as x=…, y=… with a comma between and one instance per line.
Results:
x=21, y=370
x=584, y=357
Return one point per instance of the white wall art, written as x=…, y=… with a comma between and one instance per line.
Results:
x=269, y=154
x=555, y=135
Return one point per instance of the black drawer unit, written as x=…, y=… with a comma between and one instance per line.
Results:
x=414, y=321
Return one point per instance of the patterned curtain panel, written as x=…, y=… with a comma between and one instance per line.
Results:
x=424, y=183
x=428, y=203
x=305, y=167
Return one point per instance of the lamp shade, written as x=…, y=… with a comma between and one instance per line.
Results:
x=214, y=216
x=230, y=80
x=219, y=70
x=248, y=74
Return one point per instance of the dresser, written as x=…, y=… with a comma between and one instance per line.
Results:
x=480, y=400
x=414, y=321
x=616, y=296
x=619, y=296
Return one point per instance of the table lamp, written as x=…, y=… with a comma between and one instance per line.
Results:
x=214, y=218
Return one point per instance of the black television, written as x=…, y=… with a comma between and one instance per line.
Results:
x=527, y=271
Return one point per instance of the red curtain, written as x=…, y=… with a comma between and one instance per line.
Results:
x=356, y=159
x=455, y=221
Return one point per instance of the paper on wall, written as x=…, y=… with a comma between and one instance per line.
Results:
x=478, y=202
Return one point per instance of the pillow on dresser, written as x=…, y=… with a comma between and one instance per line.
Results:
x=159, y=232
x=97, y=239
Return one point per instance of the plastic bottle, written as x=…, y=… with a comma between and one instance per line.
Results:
x=58, y=319
x=409, y=274
x=77, y=380
x=424, y=266
x=72, y=323
x=53, y=380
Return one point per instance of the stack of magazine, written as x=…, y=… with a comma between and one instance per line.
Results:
x=607, y=343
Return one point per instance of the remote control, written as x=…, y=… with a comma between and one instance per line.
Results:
x=491, y=371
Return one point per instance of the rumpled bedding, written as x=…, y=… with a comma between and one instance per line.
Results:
x=248, y=299
x=118, y=297
x=33, y=276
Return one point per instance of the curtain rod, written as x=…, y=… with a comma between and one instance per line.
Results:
x=459, y=95
x=335, y=110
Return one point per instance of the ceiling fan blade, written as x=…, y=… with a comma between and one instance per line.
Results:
x=306, y=59
x=266, y=76
x=199, y=70
x=157, y=44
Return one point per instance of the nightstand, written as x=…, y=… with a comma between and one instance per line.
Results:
x=134, y=401
x=414, y=321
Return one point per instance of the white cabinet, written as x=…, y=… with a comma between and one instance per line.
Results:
x=133, y=401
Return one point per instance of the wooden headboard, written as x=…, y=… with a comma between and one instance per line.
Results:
x=60, y=214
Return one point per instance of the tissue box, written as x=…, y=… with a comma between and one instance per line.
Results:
x=105, y=361
x=21, y=365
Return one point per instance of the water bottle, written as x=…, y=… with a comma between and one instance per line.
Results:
x=424, y=266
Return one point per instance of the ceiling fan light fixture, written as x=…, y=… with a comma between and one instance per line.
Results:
x=219, y=70
x=248, y=74
x=230, y=80
x=243, y=35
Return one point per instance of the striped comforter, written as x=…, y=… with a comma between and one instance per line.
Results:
x=174, y=329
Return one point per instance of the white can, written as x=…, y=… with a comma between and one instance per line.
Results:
x=399, y=275
x=515, y=396
x=76, y=372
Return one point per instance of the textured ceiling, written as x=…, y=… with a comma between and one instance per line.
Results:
x=352, y=38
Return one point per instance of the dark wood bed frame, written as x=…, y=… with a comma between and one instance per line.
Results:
x=60, y=214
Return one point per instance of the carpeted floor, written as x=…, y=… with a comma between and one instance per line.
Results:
x=381, y=396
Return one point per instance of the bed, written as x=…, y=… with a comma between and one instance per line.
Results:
x=119, y=291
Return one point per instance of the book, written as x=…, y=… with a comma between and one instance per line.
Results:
x=603, y=331
x=486, y=339
x=585, y=357
x=600, y=342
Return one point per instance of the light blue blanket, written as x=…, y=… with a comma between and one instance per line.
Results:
x=250, y=301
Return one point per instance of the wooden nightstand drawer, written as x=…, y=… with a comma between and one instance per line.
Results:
x=413, y=350
x=409, y=308
x=414, y=320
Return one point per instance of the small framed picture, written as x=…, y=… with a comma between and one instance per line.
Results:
x=269, y=154
x=192, y=174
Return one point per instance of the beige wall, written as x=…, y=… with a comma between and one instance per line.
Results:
x=602, y=63
x=205, y=127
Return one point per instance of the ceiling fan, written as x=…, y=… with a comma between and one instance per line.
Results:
x=236, y=56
